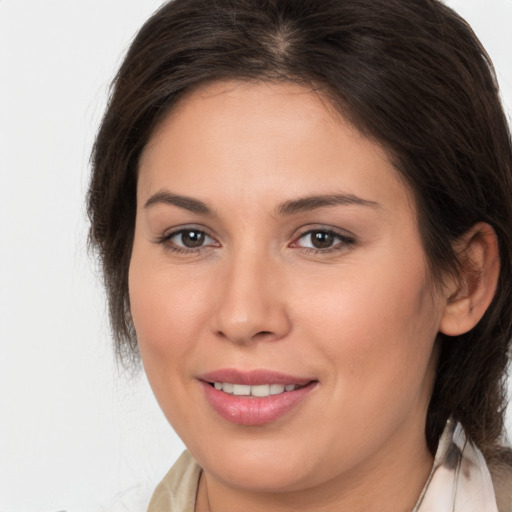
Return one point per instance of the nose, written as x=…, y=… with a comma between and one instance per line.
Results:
x=251, y=301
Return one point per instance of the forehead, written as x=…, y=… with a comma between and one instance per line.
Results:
x=248, y=106
x=240, y=134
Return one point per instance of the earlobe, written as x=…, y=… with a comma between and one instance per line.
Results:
x=472, y=292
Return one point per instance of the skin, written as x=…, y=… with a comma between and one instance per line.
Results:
x=361, y=317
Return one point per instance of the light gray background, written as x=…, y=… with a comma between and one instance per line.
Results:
x=74, y=433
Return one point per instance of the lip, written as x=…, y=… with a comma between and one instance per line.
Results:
x=253, y=411
x=253, y=377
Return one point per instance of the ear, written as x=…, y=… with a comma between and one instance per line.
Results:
x=469, y=294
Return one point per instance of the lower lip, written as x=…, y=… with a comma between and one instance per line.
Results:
x=246, y=410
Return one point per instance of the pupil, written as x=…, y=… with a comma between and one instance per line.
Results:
x=192, y=238
x=321, y=239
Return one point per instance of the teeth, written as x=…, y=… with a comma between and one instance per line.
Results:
x=228, y=388
x=276, y=389
x=241, y=390
x=261, y=390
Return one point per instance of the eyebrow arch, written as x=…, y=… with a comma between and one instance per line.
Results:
x=312, y=202
x=187, y=203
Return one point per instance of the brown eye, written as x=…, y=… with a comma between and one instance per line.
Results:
x=322, y=239
x=191, y=238
x=185, y=240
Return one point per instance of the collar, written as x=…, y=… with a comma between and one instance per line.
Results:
x=459, y=480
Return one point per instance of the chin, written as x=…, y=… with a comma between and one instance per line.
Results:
x=259, y=466
x=261, y=475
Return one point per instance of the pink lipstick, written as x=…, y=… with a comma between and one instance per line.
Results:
x=256, y=397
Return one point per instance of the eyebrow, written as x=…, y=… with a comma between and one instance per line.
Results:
x=313, y=202
x=187, y=203
x=287, y=208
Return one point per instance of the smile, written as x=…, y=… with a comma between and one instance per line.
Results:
x=257, y=397
x=259, y=391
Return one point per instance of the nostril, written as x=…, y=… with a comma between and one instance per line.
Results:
x=248, y=324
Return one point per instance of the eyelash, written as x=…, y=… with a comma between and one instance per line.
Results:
x=165, y=240
x=344, y=241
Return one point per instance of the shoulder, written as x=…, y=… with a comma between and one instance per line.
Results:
x=501, y=472
x=177, y=491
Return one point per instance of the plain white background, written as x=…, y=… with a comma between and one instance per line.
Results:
x=75, y=434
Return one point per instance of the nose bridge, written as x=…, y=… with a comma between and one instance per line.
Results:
x=250, y=304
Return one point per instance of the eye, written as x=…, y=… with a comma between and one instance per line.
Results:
x=187, y=240
x=319, y=239
x=190, y=238
x=323, y=240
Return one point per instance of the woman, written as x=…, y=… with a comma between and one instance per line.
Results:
x=303, y=211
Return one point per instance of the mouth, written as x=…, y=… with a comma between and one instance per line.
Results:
x=256, y=397
x=258, y=391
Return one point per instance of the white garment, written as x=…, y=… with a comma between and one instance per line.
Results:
x=459, y=480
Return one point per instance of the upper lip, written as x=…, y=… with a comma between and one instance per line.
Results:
x=253, y=377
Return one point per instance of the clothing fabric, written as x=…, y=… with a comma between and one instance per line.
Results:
x=460, y=481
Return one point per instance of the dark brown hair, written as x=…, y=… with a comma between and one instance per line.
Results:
x=410, y=74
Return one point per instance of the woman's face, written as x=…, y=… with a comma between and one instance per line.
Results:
x=276, y=246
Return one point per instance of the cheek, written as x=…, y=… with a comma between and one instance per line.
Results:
x=377, y=331
x=167, y=311
x=167, y=316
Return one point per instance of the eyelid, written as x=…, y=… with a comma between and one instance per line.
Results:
x=176, y=234
x=346, y=238
x=166, y=237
